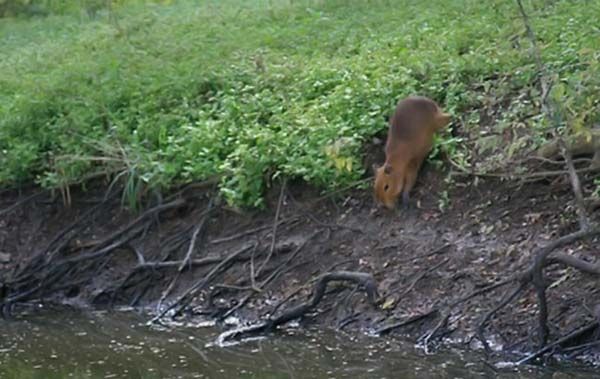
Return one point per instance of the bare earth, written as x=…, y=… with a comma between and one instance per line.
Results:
x=238, y=264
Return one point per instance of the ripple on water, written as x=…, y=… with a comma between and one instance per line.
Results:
x=121, y=345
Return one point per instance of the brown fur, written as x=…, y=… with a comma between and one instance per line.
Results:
x=410, y=139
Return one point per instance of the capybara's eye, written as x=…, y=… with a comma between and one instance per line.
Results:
x=386, y=187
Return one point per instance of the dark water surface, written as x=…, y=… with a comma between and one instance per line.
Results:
x=119, y=345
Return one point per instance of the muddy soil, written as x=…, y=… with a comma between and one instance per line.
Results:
x=422, y=258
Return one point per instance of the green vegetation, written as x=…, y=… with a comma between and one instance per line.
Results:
x=168, y=92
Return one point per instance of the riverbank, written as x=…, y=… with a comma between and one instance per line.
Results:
x=254, y=265
x=276, y=111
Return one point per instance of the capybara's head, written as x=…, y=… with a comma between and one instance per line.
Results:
x=387, y=186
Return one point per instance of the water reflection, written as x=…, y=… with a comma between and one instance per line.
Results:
x=119, y=345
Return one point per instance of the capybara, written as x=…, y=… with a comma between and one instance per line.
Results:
x=409, y=141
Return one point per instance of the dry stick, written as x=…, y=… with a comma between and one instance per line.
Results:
x=274, y=232
x=186, y=261
x=508, y=298
x=364, y=279
x=189, y=294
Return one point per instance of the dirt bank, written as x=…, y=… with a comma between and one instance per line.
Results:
x=206, y=260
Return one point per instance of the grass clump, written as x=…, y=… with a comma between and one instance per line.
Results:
x=170, y=92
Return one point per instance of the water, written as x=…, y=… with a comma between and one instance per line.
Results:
x=50, y=345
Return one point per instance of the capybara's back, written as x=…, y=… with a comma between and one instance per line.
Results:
x=409, y=141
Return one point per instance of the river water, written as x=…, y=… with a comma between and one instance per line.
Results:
x=49, y=345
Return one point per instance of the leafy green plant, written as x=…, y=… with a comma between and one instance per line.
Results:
x=183, y=91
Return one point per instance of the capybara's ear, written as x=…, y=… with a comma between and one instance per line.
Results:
x=387, y=169
x=442, y=119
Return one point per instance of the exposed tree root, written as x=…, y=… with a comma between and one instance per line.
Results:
x=563, y=340
x=56, y=267
x=184, y=299
x=186, y=262
x=508, y=298
x=366, y=281
x=20, y=203
x=278, y=271
x=411, y=320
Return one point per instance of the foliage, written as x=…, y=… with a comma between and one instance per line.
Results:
x=178, y=91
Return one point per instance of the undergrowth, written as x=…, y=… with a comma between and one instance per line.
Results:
x=171, y=92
